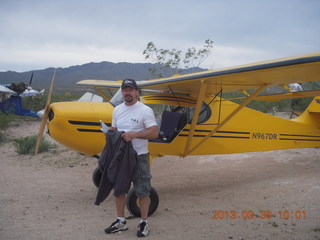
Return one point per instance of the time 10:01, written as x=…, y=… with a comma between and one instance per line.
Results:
x=285, y=214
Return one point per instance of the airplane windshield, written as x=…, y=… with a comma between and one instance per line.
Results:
x=117, y=98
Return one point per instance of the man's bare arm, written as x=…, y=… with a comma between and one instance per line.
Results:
x=149, y=133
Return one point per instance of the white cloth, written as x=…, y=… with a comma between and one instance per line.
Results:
x=135, y=118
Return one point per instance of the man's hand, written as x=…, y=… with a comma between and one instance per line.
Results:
x=149, y=133
x=128, y=136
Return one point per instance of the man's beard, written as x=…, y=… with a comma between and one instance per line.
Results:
x=128, y=98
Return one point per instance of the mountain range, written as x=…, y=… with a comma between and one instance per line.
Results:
x=66, y=78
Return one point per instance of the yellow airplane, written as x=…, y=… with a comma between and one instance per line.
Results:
x=194, y=118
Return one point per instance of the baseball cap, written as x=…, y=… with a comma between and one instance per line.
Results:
x=129, y=83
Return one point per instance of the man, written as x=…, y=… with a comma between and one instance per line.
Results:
x=139, y=124
x=295, y=87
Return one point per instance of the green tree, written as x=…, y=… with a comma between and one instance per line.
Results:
x=194, y=57
x=172, y=62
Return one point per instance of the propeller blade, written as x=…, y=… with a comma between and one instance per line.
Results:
x=42, y=127
x=31, y=79
x=45, y=115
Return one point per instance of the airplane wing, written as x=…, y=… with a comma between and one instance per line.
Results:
x=27, y=93
x=303, y=68
x=101, y=83
x=6, y=90
x=30, y=92
x=281, y=96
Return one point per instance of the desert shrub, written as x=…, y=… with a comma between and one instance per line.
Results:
x=27, y=145
x=5, y=120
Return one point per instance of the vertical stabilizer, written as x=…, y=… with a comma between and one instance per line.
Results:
x=311, y=115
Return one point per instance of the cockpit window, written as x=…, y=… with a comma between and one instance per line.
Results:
x=205, y=113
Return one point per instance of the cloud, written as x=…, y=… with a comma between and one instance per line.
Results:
x=228, y=56
x=46, y=32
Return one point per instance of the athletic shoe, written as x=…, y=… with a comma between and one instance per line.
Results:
x=116, y=227
x=143, y=229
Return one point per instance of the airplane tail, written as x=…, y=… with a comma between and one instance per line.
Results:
x=311, y=115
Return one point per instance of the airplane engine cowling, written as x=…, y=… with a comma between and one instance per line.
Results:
x=77, y=125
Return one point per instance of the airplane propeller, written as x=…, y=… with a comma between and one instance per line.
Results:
x=45, y=115
x=31, y=79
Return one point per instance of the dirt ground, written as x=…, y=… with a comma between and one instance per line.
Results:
x=51, y=195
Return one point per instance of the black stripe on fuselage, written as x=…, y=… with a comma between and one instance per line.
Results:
x=85, y=123
x=298, y=137
x=295, y=135
x=215, y=136
x=233, y=132
x=88, y=130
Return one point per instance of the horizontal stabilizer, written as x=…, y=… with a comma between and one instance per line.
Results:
x=314, y=106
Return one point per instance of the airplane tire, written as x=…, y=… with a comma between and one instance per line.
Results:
x=132, y=202
x=96, y=177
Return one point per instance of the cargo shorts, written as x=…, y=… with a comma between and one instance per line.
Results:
x=141, y=176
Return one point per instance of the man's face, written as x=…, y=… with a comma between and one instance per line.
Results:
x=129, y=94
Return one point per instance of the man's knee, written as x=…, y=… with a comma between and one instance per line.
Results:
x=142, y=188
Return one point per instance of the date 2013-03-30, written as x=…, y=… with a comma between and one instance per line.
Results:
x=260, y=214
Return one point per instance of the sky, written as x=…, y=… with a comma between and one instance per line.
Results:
x=37, y=34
